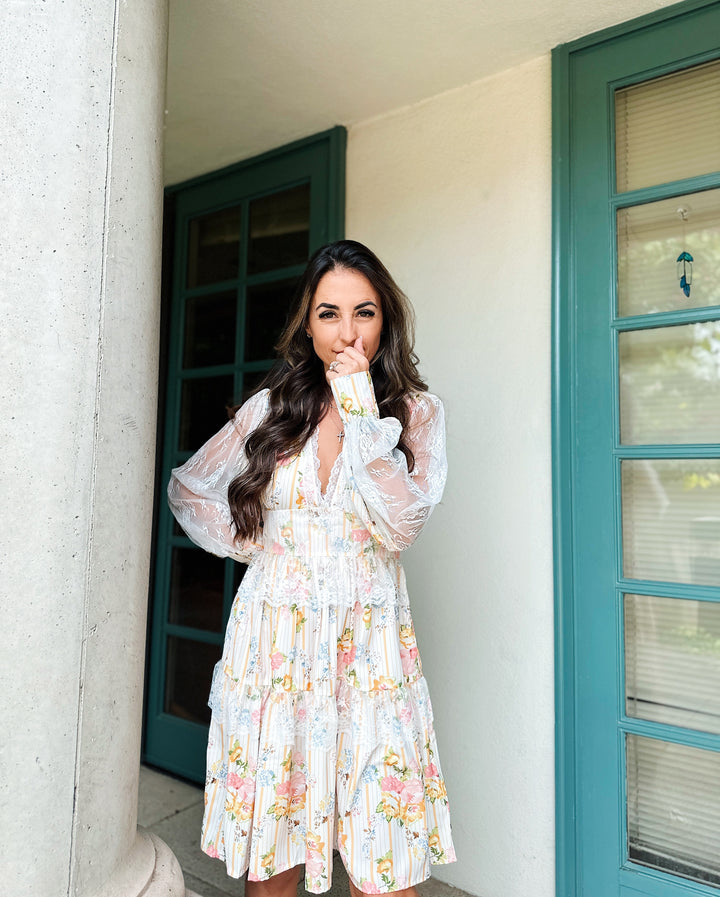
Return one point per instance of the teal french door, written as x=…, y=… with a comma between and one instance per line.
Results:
x=242, y=237
x=637, y=457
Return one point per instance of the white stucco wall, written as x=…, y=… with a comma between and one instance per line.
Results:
x=454, y=194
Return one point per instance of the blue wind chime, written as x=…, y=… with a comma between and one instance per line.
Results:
x=684, y=260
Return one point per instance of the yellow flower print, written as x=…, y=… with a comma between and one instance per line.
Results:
x=267, y=861
x=407, y=636
x=388, y=808
x=347, y=404
x=385, y=871
x=313, y=842
x=435, y=845
x=238, y=807
x=235, y=753
x=287, y=682
x=412, y=812
x=345, y=642
x=391, y=758
x=286, y=532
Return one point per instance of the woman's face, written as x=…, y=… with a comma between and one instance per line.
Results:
x=344, y=307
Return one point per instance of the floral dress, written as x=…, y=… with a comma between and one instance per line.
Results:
x=321, y=734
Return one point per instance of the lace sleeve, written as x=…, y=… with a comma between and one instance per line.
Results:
x=197, y=492
x=395, y=503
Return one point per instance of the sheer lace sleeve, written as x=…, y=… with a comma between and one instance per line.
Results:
x=395, y=503
x=197, y=492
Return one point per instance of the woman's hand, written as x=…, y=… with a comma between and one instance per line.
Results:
x=351, y=360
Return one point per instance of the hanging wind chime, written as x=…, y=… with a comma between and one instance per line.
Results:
x=684, y=260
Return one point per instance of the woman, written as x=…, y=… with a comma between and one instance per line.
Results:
x=321, y=732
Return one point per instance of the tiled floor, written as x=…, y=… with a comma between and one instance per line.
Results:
x=173, y=810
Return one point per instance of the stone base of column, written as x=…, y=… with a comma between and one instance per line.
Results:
x=150, y=870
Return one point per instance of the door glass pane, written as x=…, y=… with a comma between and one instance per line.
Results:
x=651, y=237
x=673, y=811
x=279, y=230
x=670, y=384
x=188, y=675
x=266, y=313
x=203, y=409
x=672, y=661
x=668, y=128
x=671, y=520
x=214, y=247
x=251, y=382
x=210, y=329
x=196, y=589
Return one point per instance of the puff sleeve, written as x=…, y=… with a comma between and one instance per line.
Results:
x=395, y=503
x=197, y=492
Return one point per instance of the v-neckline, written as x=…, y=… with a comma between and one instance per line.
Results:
x=324, y=497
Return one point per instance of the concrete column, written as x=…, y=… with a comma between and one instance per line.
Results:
x=81, y=108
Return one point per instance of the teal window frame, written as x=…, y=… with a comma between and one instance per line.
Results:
x=565, y=218
x=169, y=742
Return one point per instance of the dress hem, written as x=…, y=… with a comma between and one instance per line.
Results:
x=351, y=878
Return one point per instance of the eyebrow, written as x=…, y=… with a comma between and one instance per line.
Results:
x=335, y=307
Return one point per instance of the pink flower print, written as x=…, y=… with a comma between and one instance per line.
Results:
x=431, y=770
x=276, y=660
x=314, y=859
x=369, y=888
x=283, y=789
x=300, y=713
x=359, y=535
x=246, y=790
x=391, y=784
x=297, y=791
x=298, y=759
x=211, y=851
x=277, y=548
x=412, y=791
x=405, y=716
x=233, y=780
x=408, y=658
x=313, y=863
x=255, y=716
x=345, y=659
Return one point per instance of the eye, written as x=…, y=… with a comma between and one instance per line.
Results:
x=326, y=314
x=366, y=313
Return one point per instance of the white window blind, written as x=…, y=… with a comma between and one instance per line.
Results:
x=668, y=128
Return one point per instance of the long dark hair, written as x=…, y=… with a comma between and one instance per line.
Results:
x=299, y=392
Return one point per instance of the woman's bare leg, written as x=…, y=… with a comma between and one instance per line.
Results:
x=284, y=884
x=406, y=892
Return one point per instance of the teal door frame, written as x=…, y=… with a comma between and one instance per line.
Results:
x=171, y=743
x=590, y=719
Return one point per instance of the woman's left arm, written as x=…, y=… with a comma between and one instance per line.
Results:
x=395, y=502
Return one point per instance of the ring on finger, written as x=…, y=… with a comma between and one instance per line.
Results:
x=333, y=366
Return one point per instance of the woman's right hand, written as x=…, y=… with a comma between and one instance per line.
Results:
x=352, y=360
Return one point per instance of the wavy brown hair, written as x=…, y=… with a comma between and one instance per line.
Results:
x=299, y=392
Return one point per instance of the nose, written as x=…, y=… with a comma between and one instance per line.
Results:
x=348, y=330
